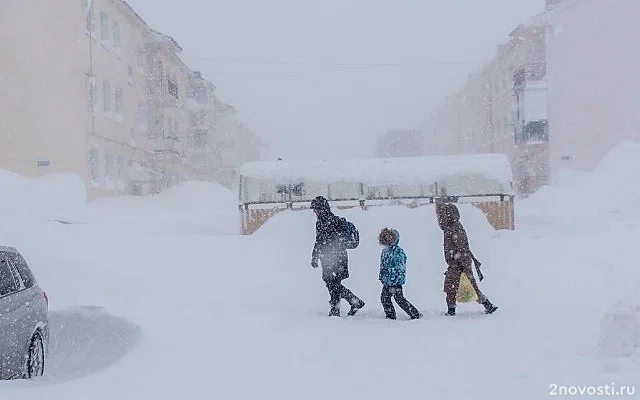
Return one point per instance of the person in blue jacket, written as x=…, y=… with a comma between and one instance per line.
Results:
x=393, y=267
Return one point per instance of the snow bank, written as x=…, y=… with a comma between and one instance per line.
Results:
x=52, y=197
x=190, y=207
x=385, y=171
x=610, y=188
x=265, y=308
x=620, y=327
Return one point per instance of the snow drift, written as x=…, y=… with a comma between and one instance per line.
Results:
x=620, y=327
x=189, y=312
x=609, y=188
x=52, y=197
x=191, y=207
x=194, y=207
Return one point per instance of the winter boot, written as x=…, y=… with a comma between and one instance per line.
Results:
x=335, y=311
x=451, y=312
x=488, y=307
x=355, y=307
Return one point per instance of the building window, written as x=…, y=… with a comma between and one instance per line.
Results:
x=122, y=168
x=105, y=28
x=158, y=70
x=119, y=104
x=90, y=17
x=169, y=128
x=130, y=75
x=198, y=93
x=535, y=131
x=106, y=92
x=117, y=41
x=143, y=116
x=95, y=169
x=140, y=59
x=92, y=97
x=199, y=138
x=172, y=87
x=111, y=166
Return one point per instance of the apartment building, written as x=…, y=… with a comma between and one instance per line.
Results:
x=559, y=94
x=44, y=116
x=218, y=141
x=96, y=92
x=593, y=80
x=137, y=86
x=167, y=91
x=204, y=109
x=501, y=109
x=236, y=144
x=116, y=87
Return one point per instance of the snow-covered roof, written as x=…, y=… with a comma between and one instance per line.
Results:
x=494, y=170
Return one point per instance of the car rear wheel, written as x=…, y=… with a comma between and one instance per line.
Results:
x=35, y=360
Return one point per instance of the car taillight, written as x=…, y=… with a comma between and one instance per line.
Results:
x=46, y=298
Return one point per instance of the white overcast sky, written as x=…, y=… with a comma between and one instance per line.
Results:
x=288, y=65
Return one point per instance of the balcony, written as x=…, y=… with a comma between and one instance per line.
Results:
x=530, y=73
x=138, y=173
x=533, y=133
x=196, y=106
x=163, y=92
x=166, y=144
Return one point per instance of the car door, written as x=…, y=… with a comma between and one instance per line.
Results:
x=11, y=319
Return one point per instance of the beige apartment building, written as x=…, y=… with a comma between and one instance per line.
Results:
x=204, y=111
x=88, y=87
x=559, y=94
x=501, y=109
x=44, y=67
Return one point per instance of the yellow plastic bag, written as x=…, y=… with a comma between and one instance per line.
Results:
x=465, y=290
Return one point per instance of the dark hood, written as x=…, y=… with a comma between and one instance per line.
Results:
x=325, y=215
x=448, y=215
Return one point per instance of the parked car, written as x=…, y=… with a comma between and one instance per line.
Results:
x=24, y=322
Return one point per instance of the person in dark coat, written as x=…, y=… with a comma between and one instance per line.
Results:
x=458, y=257
x=330, y=250
x=393, y=270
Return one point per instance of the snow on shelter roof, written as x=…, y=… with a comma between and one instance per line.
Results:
x=425, y=170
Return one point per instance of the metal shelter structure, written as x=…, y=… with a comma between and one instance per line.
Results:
x=484, y=180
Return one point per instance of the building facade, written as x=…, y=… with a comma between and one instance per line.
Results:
x=559, y=94
x=219, y=143
x=592, y=79
x=501, y=109
x=95, y=92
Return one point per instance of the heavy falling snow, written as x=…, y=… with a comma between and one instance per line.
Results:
x=161, y=298
x=135, y=135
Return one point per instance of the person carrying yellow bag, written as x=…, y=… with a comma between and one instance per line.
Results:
x=458, y=257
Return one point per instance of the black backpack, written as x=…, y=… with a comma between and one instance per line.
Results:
x=350, y=234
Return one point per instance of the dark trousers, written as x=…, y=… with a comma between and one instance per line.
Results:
x=338, y=291
x=452, y=284
x=396, y=293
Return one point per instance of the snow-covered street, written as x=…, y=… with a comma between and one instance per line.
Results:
x=162, y=308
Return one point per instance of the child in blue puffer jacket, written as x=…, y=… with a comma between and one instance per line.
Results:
x=393, y=267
